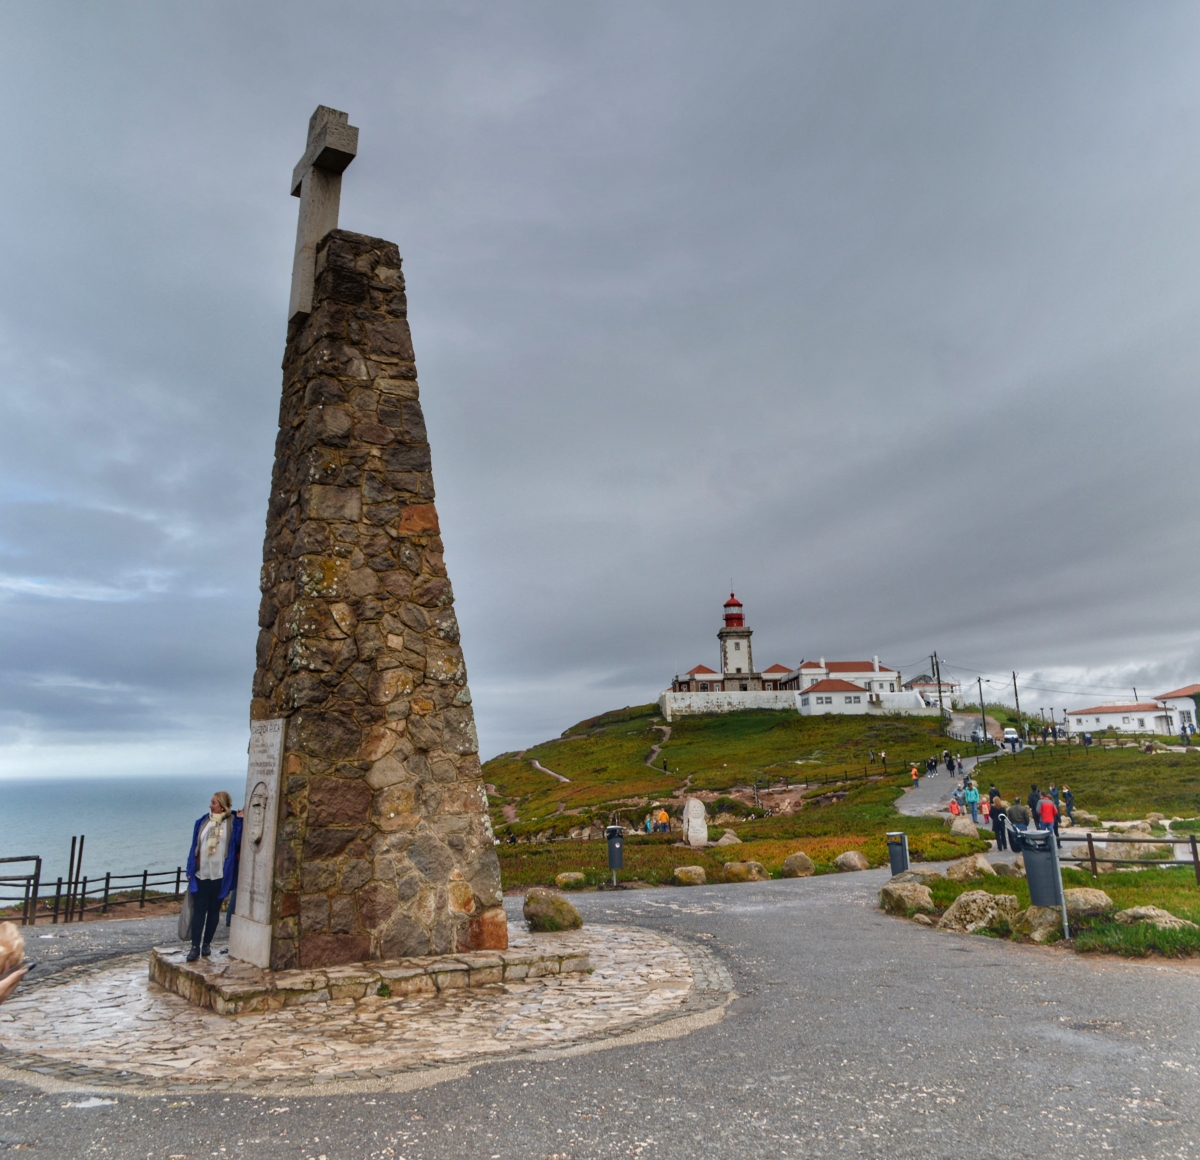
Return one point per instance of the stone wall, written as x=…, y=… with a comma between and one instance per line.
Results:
x=384, y=846
x=673, y=705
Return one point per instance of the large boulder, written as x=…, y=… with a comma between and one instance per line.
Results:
x=695, y=822
x=973, y=866
x=798, y=865
x=548, y=910
x=977, y=909
x=920, y=875
x=1163, y=919
x=689, y=875
x=745, y=872
x=904, y=897
x=1086, y=902
x=1038, y=923
x=851, y=860
x=729, y=838
x=963, y=827
x=570, y=880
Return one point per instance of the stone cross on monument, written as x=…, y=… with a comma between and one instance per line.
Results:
x=367, y=832
x=317, y=182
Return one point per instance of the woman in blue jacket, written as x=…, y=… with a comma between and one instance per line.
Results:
x=212, y=869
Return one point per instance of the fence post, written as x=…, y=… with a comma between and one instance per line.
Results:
x=1092, y=854
x=70, y=879
x=142, y=903
x=83, y=898
x=178, y=876
x=107, y=882
x=25, y=904
x=1196, y=859
x=37, y=885
x=57, y=896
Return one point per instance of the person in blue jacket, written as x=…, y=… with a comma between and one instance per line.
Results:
x=212, y=869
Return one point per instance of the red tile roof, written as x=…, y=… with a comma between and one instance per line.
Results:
x=701, y=669
x=1140, y=707
x=833, y=685
x=777, y=669
x=1186, y=691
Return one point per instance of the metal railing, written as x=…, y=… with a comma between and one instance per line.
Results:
x=28, y=885
x=1095, y=859
x=70, y=901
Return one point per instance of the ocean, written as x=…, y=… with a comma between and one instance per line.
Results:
x=130, y=824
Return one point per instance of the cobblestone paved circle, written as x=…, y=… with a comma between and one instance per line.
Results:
x=105, y=1025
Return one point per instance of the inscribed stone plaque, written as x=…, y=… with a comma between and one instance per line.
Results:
x=695, y=822
x=250, y=931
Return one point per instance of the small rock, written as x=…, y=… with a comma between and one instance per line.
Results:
x=745, y=872
x=729, y=838
x=1008, y=870
x=977, y=909
x=1156, y=817
x=570, y=880
x=963, y=827
x=690, y=875
x=901, y=897
x=851, y=860
x=973, y=866
x=1163, y=919
x=798, y=865
x=923, y=919
x=1086, y=902
x=547, y=910
x=920, y=876
x=1038, y=923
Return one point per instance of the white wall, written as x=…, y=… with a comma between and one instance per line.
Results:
x=673, y=705
x=909, y=704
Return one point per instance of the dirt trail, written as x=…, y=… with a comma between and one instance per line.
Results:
x=654, y=750
x=542, y=769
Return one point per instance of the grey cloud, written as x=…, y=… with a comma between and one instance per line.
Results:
x=886, y=312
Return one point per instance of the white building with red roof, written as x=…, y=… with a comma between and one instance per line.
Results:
x=1137, y=717
x=1185, y=705
x=853, y=686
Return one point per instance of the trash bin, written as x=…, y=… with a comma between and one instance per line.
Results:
x=898, y=851
x=616, y=844
x=1041, y=868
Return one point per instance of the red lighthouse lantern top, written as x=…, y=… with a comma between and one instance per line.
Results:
x=733, y=613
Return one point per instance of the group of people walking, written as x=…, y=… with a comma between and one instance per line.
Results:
x=1043, y=809
x=952, y=762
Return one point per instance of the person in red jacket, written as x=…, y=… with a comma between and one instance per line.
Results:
x=1047, y=815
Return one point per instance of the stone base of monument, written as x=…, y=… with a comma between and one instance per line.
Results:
x=231, y=987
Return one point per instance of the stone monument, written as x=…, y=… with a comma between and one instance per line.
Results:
x=367, y=833
x=695, y=822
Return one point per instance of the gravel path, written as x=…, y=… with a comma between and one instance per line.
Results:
x=854, y=1034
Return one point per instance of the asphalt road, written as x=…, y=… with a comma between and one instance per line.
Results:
x=854, y=1034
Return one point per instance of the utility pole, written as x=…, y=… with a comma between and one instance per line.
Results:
x=1018, y=701
x=982, y=710
x=937, y=676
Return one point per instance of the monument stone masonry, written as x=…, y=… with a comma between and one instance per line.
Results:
x=367, y=833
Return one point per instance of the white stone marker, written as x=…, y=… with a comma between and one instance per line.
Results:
x=695, y=822
x=250, y=931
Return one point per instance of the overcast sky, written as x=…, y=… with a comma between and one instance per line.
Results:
x=885, y=313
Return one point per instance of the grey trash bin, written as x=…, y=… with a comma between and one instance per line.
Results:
x=1041, y=868
x=898, y=851
x=616, y=843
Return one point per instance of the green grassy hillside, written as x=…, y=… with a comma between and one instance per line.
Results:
x=604, y=758
x=845, y=803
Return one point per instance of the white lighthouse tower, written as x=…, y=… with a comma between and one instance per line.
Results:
x=737, y=659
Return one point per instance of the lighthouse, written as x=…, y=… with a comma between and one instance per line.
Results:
x=737, y=660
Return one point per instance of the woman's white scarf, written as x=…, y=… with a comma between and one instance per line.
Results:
x=215, y=822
